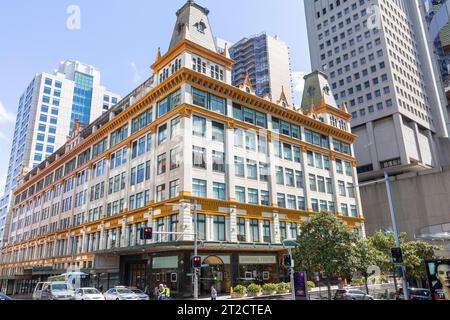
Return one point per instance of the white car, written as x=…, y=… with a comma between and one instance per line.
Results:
x=88, y=294
x=120, y=293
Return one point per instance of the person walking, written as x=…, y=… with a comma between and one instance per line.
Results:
x=166, y=292
x=161, y=292
x=213, y=293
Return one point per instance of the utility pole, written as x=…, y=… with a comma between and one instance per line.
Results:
x=291, y=270
x=397, y=239
x=195, y=252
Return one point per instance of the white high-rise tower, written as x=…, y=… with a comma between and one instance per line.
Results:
x=46, y=114
x=378, y=58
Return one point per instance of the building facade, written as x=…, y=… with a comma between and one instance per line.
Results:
x=46, y=114
x=378, y=57
x=254, y=169
x=266, y=61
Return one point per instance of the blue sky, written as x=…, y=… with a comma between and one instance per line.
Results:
x=121, y=39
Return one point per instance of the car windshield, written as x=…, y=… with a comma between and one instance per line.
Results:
x=124, y=291
x=416, y=292
x=91, y=291
x=61, y=287
x=136, y=291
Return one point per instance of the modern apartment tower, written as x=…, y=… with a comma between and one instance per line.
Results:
x=47, y=112
x=377, y=55
x=266, y=61
x=252, y=169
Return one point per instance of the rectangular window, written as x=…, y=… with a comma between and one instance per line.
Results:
x=175, y=158
x=199, y=188
x=252, y=172
x=199, y=126
x=199, y=157
x=219, y=191
x=161, y=163
x=218, y=159
x=162, y=134
x=174, y=189
x=160, y=193
x=219, y=228
x=218, y=132
x=252, y=196
x=254, y=230
x=239, y=166
x=240, y=194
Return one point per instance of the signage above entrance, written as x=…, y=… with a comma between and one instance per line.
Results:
x=257, y=260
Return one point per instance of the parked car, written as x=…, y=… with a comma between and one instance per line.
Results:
x=88, y=294
x=351, y=294
x=4, y=297
x=120, y=293
x=142, y=295
x=415, y=294
x=53, y=291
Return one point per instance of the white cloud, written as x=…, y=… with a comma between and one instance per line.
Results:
x=4, y=137
x=299, y=82
x=5, y=115
x=136, y=74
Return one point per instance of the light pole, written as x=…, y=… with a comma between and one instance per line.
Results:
x=397, y=239
x=289, y=244
x=195, y=252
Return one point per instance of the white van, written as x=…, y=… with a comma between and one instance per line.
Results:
x=53, y=291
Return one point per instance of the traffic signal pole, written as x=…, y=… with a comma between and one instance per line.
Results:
x=291, y=271
x=397, y=239
x=195, y=252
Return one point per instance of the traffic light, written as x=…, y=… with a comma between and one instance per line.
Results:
x=197, y=262
x=146, y=233
x=287, y=261
x=397, y=255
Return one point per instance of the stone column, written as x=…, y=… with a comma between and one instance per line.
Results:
x=276, y=227
x=334, y=179
x=133, y=235
x=229, y=157
x=272, y=138
x=306, y=171
x=186, y=154
x=83, y=242
x=261, y=230
x=233, y=224
x=109, y=241
x=102, y=238
x=248, y=237
x=186, y=220
x=124, y=235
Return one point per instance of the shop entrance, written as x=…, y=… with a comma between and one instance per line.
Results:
x=137, y=275
x=215, y=273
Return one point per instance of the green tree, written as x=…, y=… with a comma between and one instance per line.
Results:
x=326, y=245
x=415, y=253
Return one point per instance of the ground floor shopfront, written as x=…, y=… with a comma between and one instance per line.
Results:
x=222, y=269
x=147, y=267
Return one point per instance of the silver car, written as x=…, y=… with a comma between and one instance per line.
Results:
x=351, y=294
x=120, y=294
x=140, y=293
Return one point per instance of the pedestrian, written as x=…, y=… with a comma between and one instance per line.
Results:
x=156, y=293
x=101, y=288
x=166, y=292
x=213, y=293
x=161, y=292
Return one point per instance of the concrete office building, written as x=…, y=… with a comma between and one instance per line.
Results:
x=266, y=61
x=255, y=168
x=46, y=114
x=378, y=58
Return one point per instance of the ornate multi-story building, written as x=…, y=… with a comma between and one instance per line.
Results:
x=256, y=170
